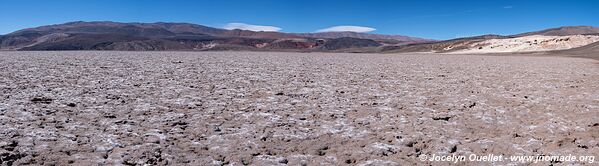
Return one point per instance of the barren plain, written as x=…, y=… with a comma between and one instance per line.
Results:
x=257, y=108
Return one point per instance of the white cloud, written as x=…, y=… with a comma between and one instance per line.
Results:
x=347, y=28
x=508, y=7
x=250, y=27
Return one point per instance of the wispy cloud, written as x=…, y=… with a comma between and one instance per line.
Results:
x=251, y=27
x=470, y=11
x=347, y=28
x=508, y=7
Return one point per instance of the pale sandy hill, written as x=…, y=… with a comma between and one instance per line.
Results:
x=530, y=44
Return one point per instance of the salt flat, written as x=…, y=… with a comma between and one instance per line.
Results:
x=203, y=108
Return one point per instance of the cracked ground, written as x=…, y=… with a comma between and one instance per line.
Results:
x=267, y=108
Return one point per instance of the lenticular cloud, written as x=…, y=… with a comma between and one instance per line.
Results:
x=250, y=27
x=347, y=28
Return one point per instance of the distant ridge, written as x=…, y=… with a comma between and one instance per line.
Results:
x=564, y=31
x=161, y=36
x=389, y=38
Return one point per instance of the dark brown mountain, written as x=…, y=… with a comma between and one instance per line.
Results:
x=588, y=51
x=151, y=29
x=348, y=42
x=109, y=35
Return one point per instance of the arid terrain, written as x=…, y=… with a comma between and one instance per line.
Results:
x=269, y=108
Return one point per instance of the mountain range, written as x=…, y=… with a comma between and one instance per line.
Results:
x=184, y=36
x=105, y=35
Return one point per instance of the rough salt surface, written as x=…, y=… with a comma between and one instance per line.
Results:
x=213, y=108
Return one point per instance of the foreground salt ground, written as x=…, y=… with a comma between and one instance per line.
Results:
x=255, y=108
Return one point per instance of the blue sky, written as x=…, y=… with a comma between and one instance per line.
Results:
x=442, y=19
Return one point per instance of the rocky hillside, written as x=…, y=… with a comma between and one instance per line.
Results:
x=562, y=38
x=440, y=46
